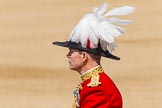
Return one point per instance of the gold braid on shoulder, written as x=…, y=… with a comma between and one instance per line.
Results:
x=94, y=75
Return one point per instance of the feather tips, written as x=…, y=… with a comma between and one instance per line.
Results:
x=101, y=10
x=125, y=10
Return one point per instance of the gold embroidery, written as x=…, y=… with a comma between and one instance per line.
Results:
x=79, y=87
x=94, y=75
x=74, y=104
x=94, y=81
x=77, y=96
x=90, y=74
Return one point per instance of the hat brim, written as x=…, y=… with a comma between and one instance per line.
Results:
x=97, y=51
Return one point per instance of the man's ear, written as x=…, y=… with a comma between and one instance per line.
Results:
x=84, y=56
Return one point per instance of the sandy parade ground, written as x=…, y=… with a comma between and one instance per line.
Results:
x=35, y=74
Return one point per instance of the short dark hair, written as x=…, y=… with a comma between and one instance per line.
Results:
x=95, y=57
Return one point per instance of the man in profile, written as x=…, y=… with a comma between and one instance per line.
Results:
x=91, y=39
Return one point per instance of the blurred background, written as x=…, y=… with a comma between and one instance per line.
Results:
x=35, y=74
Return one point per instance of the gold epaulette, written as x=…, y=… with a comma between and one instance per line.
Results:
x=94, y=75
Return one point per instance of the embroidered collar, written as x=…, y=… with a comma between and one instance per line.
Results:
x=88, y=74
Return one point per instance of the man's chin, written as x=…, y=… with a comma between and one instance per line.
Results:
x=72, y=68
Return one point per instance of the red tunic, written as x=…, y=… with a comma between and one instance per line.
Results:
x=97, y=91
x=105, y=95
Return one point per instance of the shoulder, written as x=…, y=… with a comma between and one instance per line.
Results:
x=105, y=87
x=106, y=94
x=98, y=83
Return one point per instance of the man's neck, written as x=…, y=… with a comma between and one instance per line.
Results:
x=86, y=68
x=90, y=70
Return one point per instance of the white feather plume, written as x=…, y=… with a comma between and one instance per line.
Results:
x=99, y=28
x=125, y=10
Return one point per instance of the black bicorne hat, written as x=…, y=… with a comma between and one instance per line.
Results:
x=95, y=33
x=97, y=51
